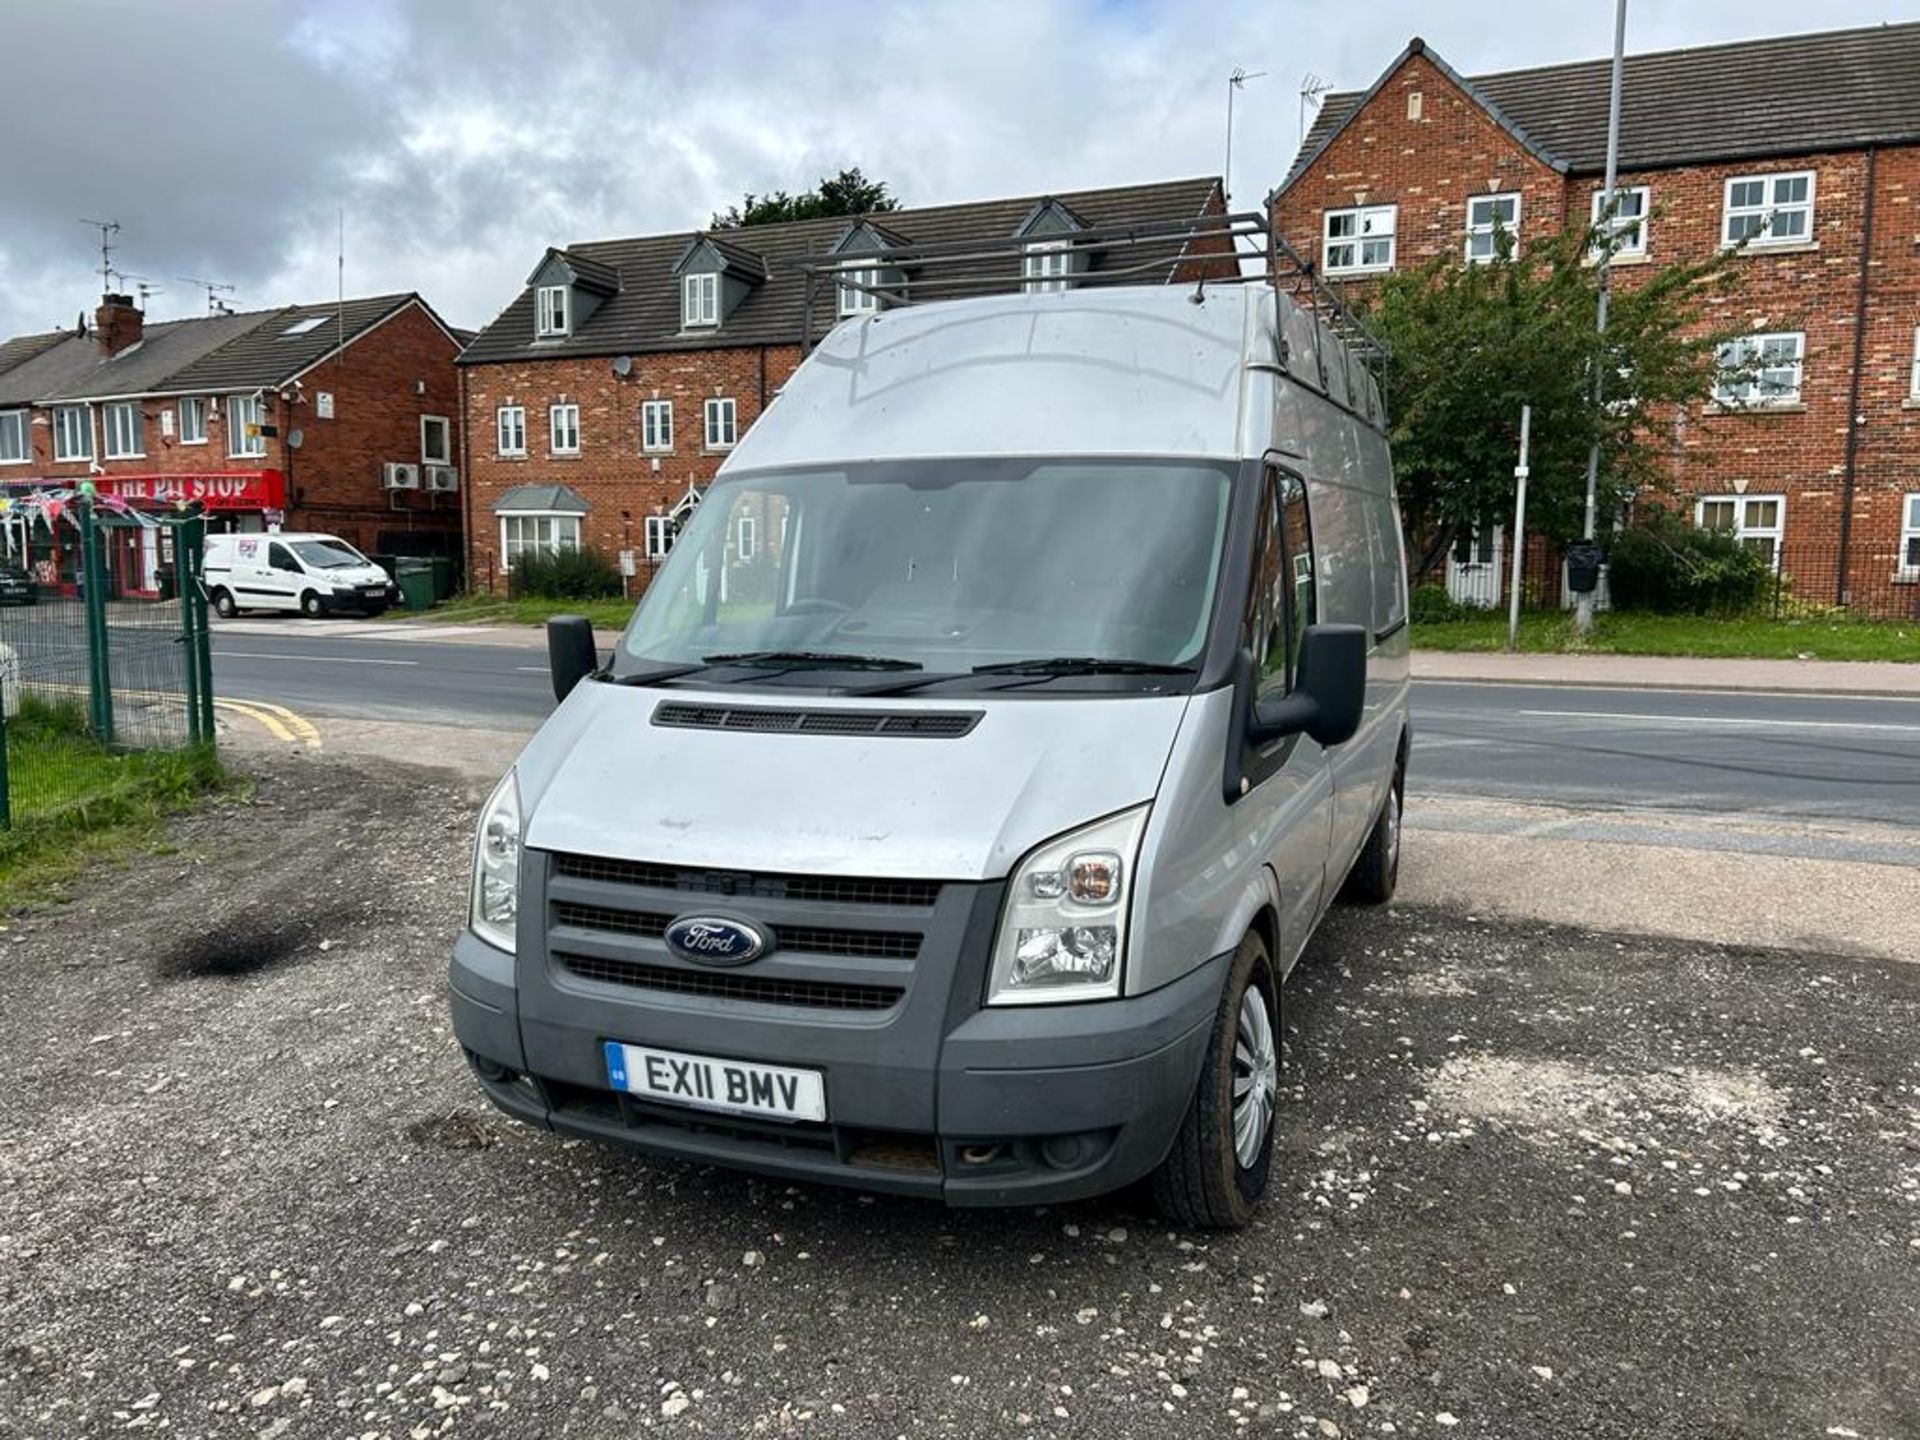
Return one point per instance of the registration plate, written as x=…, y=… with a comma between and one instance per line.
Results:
x=735, y=1087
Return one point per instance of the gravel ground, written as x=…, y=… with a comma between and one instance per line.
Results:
x=1533, y=1183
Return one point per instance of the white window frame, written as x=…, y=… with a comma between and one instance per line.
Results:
x=726, y=434
x=1908, y=555
x=1741, y=529
x=1751, y=393
x=243, y=410
x=1620, y=224
x=1355, y=243
x=1915, y=391
x=700, y=300
x=510, y=430
x=445, y=457
x=553, y=314
x=20, y=423
x=656, y=427
x=1767, y=210
x=554, y=414
x=855, y=301
x=116, y=445
x=660, y=535
x=1047, y=266
x=196, y=406
x=746, y=537
x=1486, y=229
x=62, y=432
x=558, y=520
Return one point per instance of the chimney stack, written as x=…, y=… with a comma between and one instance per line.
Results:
x=117, y=324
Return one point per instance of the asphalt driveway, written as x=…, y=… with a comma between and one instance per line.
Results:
x=1533, y=1183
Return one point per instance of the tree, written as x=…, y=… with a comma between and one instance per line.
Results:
x=848, y=193
x=1471, y=343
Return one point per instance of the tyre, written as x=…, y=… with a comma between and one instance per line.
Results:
x=1215, y=1174
x=223, y=605
x=310, y=605
x=1377, y=871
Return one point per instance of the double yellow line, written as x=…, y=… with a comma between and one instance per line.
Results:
x=280, y=722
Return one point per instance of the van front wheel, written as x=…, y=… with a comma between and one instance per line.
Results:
x=311, y=607
x=1215, y=1174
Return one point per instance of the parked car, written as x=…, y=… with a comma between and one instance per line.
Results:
x=16, y=586
x=1027, y=684
x=312, y=573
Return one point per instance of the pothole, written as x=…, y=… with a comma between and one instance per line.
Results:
x=1548, y=1098
x=458, y=1130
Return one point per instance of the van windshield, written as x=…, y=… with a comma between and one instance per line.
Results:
x=328, y=554
x=941, y=565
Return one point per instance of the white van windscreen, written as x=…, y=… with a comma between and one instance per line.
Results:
x=946, y=565
x=328, y=554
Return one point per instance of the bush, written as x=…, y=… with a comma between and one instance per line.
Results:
x=569, y=575
x=1667, y=566
x=1430, y=604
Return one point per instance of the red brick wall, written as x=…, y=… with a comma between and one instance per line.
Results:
x=611, y=473
x=377, y=404
x=1428, y=166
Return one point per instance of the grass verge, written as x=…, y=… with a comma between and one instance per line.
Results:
x=74, y=802
x=497, y=610
x=1624, y=633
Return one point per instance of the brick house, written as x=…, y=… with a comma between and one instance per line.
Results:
x=603, y=399
x=1806, y=146
x=289, y=417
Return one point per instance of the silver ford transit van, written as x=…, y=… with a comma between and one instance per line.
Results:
x=1026, y=686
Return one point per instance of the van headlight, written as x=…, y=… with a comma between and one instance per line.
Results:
x=496, y=866
x=1063, y=933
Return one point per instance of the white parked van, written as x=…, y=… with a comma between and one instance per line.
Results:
x=1028, y=683
x=312, y=573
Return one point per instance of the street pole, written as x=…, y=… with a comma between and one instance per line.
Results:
x=1583, y=602
x=1519, y=533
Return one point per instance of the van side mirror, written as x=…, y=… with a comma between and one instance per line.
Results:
x=571, y=656
x=1329, y=695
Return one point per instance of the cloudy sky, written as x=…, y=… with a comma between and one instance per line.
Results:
x=460, y=137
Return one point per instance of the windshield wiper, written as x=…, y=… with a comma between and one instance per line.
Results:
x=818, y=659
x=1081, y=665
x=653, y=677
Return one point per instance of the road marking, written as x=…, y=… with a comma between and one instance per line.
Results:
x=279, y=722
x=1720, y=720
x=532, y=669
x=310, y=659
x=1721, y=692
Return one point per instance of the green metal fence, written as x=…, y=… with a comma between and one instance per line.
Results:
x=89, y=676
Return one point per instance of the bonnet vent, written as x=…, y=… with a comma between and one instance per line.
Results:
x=898, y=724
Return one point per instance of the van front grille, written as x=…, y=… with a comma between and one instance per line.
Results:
x=734, y=985
x=801, y=939
x=752, y=884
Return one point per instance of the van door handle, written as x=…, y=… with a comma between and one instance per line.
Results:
x=1380, y=637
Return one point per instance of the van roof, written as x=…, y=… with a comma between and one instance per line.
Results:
x=1120, y=370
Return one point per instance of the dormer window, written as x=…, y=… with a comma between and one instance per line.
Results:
x=554, y=314
x=700, y=300
x=1048, y=265
x=859, y=290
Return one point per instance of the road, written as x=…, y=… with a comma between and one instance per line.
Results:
x=1789, y=757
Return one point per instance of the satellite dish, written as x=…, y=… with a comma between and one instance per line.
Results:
x=623, y=365
x=295, y=439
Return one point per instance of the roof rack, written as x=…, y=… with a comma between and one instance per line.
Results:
x=1166, y=251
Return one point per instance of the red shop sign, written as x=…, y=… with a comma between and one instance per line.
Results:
x=236, y=490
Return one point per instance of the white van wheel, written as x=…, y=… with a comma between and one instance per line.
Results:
x=1215, y=1174
x=223, y=605
x=310, y=605
x=1377, y=871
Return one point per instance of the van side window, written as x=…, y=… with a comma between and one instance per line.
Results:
x=280, y=558
x=1283, y=603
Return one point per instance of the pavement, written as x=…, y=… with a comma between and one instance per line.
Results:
x=1675, y=672
x=1529, y=1182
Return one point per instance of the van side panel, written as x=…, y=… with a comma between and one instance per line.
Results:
x=1205, y=861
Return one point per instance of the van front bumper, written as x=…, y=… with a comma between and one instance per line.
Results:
x=1002, y=1106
